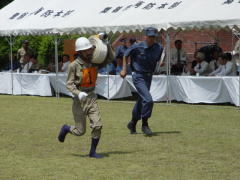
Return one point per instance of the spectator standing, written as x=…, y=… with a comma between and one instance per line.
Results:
x=22, y=51
x=119, y=53
x=132, y=41
x=236, y=55
x=120, y=50
x=178, y=58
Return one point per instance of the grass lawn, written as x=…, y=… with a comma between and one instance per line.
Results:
x=191, y=142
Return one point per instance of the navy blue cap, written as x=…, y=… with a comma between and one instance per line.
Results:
x=151, y=31
x=123, y=39
x=132, y=40
x=25, y=42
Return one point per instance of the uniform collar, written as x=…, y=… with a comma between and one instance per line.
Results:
x=67, y=62
x=82, y=62
x=22, y=48
x=145, y=46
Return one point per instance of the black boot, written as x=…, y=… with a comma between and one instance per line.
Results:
x=92, y=152
x=132, y=126
x=145, y=128
x=63, y=132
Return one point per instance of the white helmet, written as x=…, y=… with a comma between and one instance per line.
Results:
x=82, y=43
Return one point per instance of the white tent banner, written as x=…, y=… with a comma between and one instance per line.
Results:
x=78, y=16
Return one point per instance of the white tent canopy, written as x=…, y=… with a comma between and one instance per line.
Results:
x=23, y=17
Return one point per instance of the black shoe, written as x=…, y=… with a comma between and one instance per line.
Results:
x=63, y=132
x=146, y=130
x=96, y=156
x=132, y=127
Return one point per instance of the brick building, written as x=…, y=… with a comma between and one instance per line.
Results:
x=193, y=39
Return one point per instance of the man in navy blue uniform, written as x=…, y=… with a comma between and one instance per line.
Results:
x=120, y=50
x=144, y=57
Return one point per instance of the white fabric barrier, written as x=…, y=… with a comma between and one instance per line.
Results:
x=25, y=83
x=118, y=88
x=5, y=83
x=192, y=89
x=189, y=89
x=158, y=88
x=198, y=89
x=232, y=85
x=61, y=84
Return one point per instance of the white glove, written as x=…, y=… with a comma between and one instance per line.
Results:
x=82, y=96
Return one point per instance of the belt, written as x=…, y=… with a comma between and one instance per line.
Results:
x=144, y=73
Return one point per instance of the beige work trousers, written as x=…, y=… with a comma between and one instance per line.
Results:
x=86, y=108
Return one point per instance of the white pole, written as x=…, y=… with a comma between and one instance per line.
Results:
x=238, y=66
x=108, y=86
x=56, y=65
x=239, y=88
x=11, y=58
x=238, y=70
x=168, y=41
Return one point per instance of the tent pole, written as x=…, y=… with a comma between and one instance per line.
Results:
x=238, y=67
x=168, y=41
x=10, y=42
x=238, y=70
x=108, y=86
x=56, y=65
x=11, y=56
x=239, y=87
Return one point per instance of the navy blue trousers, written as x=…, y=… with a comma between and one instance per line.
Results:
x=144, y=105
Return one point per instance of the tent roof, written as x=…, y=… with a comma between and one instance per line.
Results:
x=24, y=17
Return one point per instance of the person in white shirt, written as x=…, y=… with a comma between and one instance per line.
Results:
x=27, y=62
x=31, y=65
x=236, y=55
x=65, y=63
x=232, y=60
x=226, y=68
x=237, y=48
x=212, y=53
x=213, y=64
x=202, y=67
x=178, y=58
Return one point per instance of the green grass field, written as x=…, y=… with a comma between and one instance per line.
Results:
x=191, y=142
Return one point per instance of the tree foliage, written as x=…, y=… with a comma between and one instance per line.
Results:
x=43, y=47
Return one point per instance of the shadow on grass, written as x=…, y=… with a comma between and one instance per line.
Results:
x=105, y=154
x=166, y=132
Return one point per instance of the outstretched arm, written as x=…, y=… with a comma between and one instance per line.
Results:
x=123, y=73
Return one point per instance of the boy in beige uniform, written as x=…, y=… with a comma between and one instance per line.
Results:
x=81, y=81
